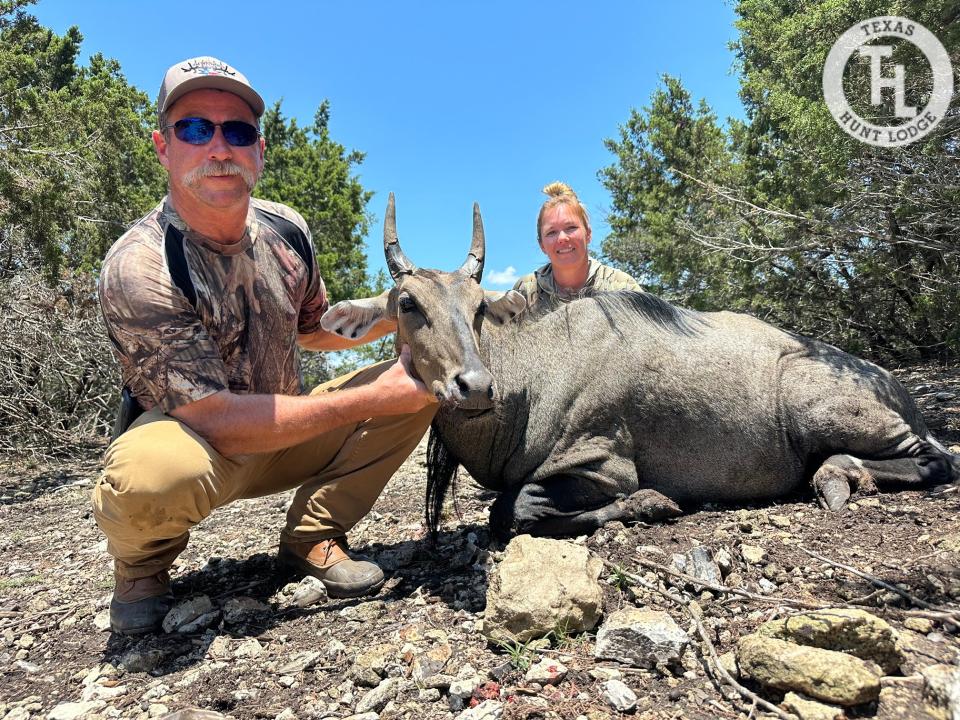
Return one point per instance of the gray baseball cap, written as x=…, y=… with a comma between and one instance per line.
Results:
x=206, y=72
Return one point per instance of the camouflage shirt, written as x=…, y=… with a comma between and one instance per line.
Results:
x=189, y=317
x=540, y=284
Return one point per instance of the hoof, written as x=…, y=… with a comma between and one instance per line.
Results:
x=651, y=505
x=833, y=492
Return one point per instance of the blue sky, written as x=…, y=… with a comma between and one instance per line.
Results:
x=453, y=102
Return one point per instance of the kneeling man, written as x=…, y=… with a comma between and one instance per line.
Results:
x=206, y=300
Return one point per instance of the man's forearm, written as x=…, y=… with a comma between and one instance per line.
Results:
x=245, y=424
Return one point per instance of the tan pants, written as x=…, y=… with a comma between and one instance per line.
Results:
x=160, y=479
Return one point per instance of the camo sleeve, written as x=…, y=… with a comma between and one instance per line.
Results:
x=527, y=286
x=315, y=301
x=608, y=278
x=166, y=356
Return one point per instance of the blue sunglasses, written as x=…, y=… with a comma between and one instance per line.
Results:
x=200, y=131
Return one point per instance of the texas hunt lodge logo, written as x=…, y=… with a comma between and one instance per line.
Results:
x=919, y=122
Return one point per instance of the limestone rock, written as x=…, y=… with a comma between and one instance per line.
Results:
x=75, y=710
x=903, y=701
x=101, y=621
x=460, y=692
x=379, y=696
x=430, y=663
x=487, y=710
x=822, y=674
x=238, y=609
x=371, y=664
x=753, y=554
x=190, y=615
x=942, y=687
x=540, y=585
x=698, y=562
x=549, y=671
x=309, y=591
x=143, y=658
x=642, y=638
x=855, y=632
x=920, y=625
x=618, y=696
x=807, y=709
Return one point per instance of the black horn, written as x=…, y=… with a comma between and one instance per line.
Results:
x=397, y=262
x=473, y=266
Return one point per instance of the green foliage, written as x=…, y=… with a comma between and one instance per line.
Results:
x=76, y=164
x=562, y=639
x=309, y=171
x=20, y=581
x=619, y=578
x=658, y=209
x=521, y=654
x=786, y=216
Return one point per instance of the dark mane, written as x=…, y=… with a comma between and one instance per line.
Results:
x=649, y=306
x=442, y=469
x=624, y=304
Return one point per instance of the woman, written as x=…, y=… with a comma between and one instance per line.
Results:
x=563, y=231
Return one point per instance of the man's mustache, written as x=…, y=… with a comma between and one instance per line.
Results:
x=220, y=167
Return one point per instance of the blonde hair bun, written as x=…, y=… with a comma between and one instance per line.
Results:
x=559, y=189
x=559, y=193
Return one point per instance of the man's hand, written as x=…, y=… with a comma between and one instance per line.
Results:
x=402, y=387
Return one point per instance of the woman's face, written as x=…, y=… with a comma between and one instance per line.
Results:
x=563, y=236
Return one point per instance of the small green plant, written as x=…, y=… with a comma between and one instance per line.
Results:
x=521, y=654
x=105, y=582
x=562, y=639
x=619, y=578
x=23, y=581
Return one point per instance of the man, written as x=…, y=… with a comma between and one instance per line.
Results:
x=205, y=300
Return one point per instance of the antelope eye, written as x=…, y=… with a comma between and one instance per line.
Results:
x=406, y=304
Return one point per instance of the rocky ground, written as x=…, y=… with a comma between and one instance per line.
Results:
x=253, y=644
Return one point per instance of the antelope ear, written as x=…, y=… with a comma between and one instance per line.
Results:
x=504, y=307
x=355, y=318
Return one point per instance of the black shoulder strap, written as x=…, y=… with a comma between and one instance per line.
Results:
x=177, y=264
x=292, y=235
x=177, y=260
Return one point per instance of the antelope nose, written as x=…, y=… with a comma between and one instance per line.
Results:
x=476, y=387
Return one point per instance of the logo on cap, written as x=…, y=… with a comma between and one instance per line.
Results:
x=208, y=67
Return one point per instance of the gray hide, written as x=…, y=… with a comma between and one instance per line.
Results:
x=607, y=396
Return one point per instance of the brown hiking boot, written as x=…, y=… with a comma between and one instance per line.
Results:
x=327, y=560
x=139, y=605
